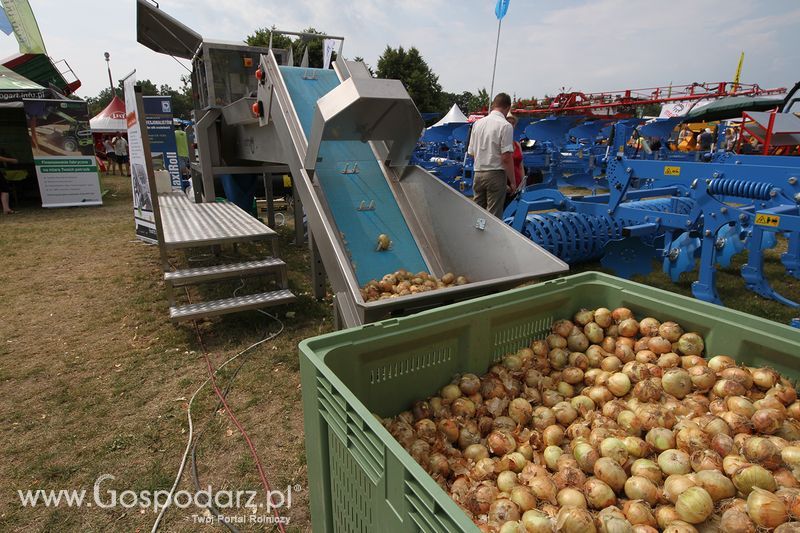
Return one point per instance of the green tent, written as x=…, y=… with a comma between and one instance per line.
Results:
x=13, y=87
x=732, y=107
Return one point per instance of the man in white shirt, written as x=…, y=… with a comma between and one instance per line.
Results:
x=121, y=151
x=491, y=144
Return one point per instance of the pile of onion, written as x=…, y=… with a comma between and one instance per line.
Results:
x=403, y=283
x=613, y=424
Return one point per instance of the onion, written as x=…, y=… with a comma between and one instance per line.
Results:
x=574, y=520
x=553, y=435
x=789, y=430
x=512, y=526
x=543, y=488
x=520, y=411
x=638, y=512
x=679, y=526
x=506, y=481
x=562, y=328
x=586, y=456
x=647, y=469
x=569, y=477
x=614, y=449
x=612, y=363
x=474, y=452
x=629, y=422
x=619, y=384
x=691, y=344
x=677, y=382
x=480, y=498
x=564, y=412
x=582, y=404
x=463, y=407
x=674, y=462
x=737, y=423
x=661, y=439
x=728, y=387
x=614, y=524
x=569, y=497
x=706, y=460
x=628, y=327
x=621, y=313
x=665, y=515
x=736, y=521
x=636, y=447
x=694, y=505
x=784, y=392
x=765, y=378
x=740, y=405
x=766, y=509
x=543, y=417
x=791, y=456
x=762, y=451
x=767, y=421
x=598, y=494
x=676, y=485
x=577, y=341
x=785, y=478
x=523, y=497
x=449, y=429
x=688, y=361
x=732, y=463
x=503, y=423
x=719, y=363
x=740, y=375
x=556, y=341
x=536, y=521
x=609, y=344
x=751, y=477
x=716, y=484
x=502, y=510
x=609, y=471
x=551, y=455
x=640, y=488
x=788, y=527
x=594, y=332
x=670, y=331
x=501, y=442
x=703, y=378
x=451, y=392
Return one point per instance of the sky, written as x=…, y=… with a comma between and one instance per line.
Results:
x=586, y=45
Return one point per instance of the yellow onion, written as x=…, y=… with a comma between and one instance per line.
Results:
x=735, y=521
x=609, y=471
x=502, y=510
x=520, y=411
x=638, y=512
x=677, y=382
x=766, y=509
x=665, y=515
x=716, y=484
x=706, y=460
x=506, y=481
x=785, y=478
x=551, y=455
x=718, y=363
x=674, y=462
x=668, y=360
x=586, y=456
x=574, y=520
x=659, y=345
x=603, y=317
x=553, y=435
x=647, y=357
x=788, y=527
x=784, y=392
x=569, y=477
x=762, y=451
x=679, y=526
x=688, y=361
x=598, y=494
x=676, y=485
x=615, y=449
x=614, y=524
x=694, y=505
x=791, y=456
x=543, y=488
x=737, y=423
x=750, y=477
x=637, y=448
x=523, y=497
x=740, y=375
x=740, y=405
x=501, y=442
x=619, y=384
x=728, y=387
x=647, y=469
x=789, y=430
x=691, y=344
x=474, y=452
x=569, y=497
x=536, y=521
x=661, y=439
x=703, y=378
x=640, y=488
x=480, y=498
x=647, y=391
x=628, y=327
x=629, y=422
x=767, y=421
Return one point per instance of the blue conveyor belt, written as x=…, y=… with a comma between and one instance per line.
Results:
x=346, y=192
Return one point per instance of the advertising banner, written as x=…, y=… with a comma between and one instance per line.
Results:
x=143, y=216
x=63, y=152
x=680, y=109
x=161, y=131
x=25, y=28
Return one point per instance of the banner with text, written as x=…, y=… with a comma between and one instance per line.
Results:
x=161, y=131
x=63, y=153
x=143, y=216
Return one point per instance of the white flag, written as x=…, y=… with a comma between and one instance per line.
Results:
x=328, y=46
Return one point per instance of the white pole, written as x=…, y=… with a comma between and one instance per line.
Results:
x=494, y=68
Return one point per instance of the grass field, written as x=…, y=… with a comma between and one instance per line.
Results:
x=95, y=380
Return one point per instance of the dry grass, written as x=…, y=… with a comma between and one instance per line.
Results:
x=96, y=380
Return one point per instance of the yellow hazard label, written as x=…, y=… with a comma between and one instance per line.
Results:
x=768, y=220
x=672, y=171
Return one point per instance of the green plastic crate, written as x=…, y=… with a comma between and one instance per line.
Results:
x=362, y=480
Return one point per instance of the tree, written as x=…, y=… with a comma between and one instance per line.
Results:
x=298, y=44
x=409, y=67
x=466, y=101
x=181, y=99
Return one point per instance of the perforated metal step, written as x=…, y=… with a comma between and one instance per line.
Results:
x=231, y=305
x=188, y=276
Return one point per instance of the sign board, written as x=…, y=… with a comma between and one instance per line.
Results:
x=141, y=166
x=161, y=131
x=680, y=109
x=63, y=152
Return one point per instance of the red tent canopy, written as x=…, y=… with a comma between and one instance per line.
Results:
x=111, y=119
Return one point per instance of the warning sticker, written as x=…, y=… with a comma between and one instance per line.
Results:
x=768, y=220
x=672, y=171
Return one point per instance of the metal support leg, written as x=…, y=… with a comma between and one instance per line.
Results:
x=299, y=230
x=317, y=269
x=791, y=259
x=268, y=191
x=753, y=271
x=705, y=287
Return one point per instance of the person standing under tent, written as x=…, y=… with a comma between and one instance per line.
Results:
x=5, y=188
x=121, y=151
x=492, y=147
x=111, y=157
x=705, y=140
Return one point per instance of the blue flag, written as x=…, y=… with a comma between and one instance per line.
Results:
x=5, y=24
x=501, y=8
